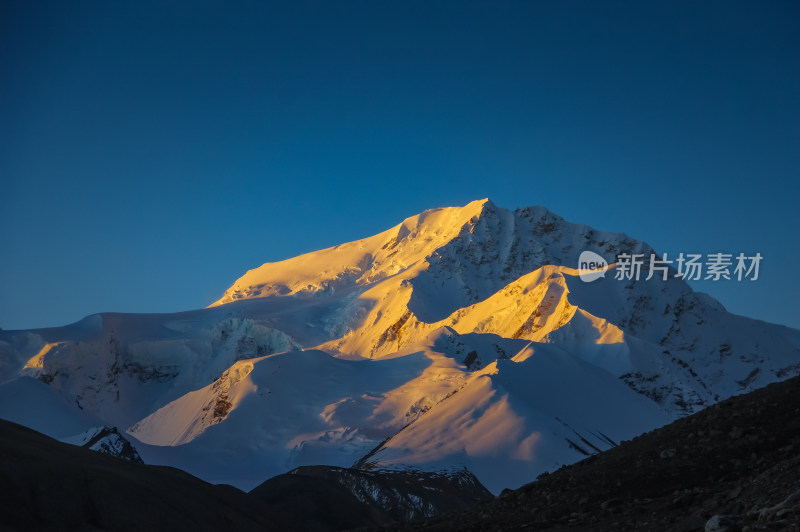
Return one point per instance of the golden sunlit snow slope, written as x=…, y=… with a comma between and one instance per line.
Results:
x=529, y=308
x=356, y=263
x=382, y=269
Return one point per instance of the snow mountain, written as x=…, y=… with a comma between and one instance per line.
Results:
x=462, y=337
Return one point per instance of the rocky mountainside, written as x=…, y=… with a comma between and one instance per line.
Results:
x=731, y=467
x=463, y=337
x=326, y=497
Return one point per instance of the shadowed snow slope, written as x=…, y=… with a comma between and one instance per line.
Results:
x=461, y=337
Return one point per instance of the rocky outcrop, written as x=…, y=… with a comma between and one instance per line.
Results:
x=339, y=497
x=107, y=440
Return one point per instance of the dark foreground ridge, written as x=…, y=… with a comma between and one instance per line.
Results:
x=732, y=467
x=49, y=485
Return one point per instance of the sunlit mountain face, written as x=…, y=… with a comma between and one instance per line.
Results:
x=462, y=337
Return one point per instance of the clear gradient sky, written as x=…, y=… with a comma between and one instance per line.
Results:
x=151, y=152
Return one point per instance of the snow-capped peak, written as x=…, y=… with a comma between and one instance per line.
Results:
x=463, y=336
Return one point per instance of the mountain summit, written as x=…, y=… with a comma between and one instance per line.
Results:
x=462, y=337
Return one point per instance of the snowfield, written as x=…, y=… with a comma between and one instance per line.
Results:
x=462, y=337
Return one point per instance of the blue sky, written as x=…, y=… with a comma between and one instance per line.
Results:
x=151, y=152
